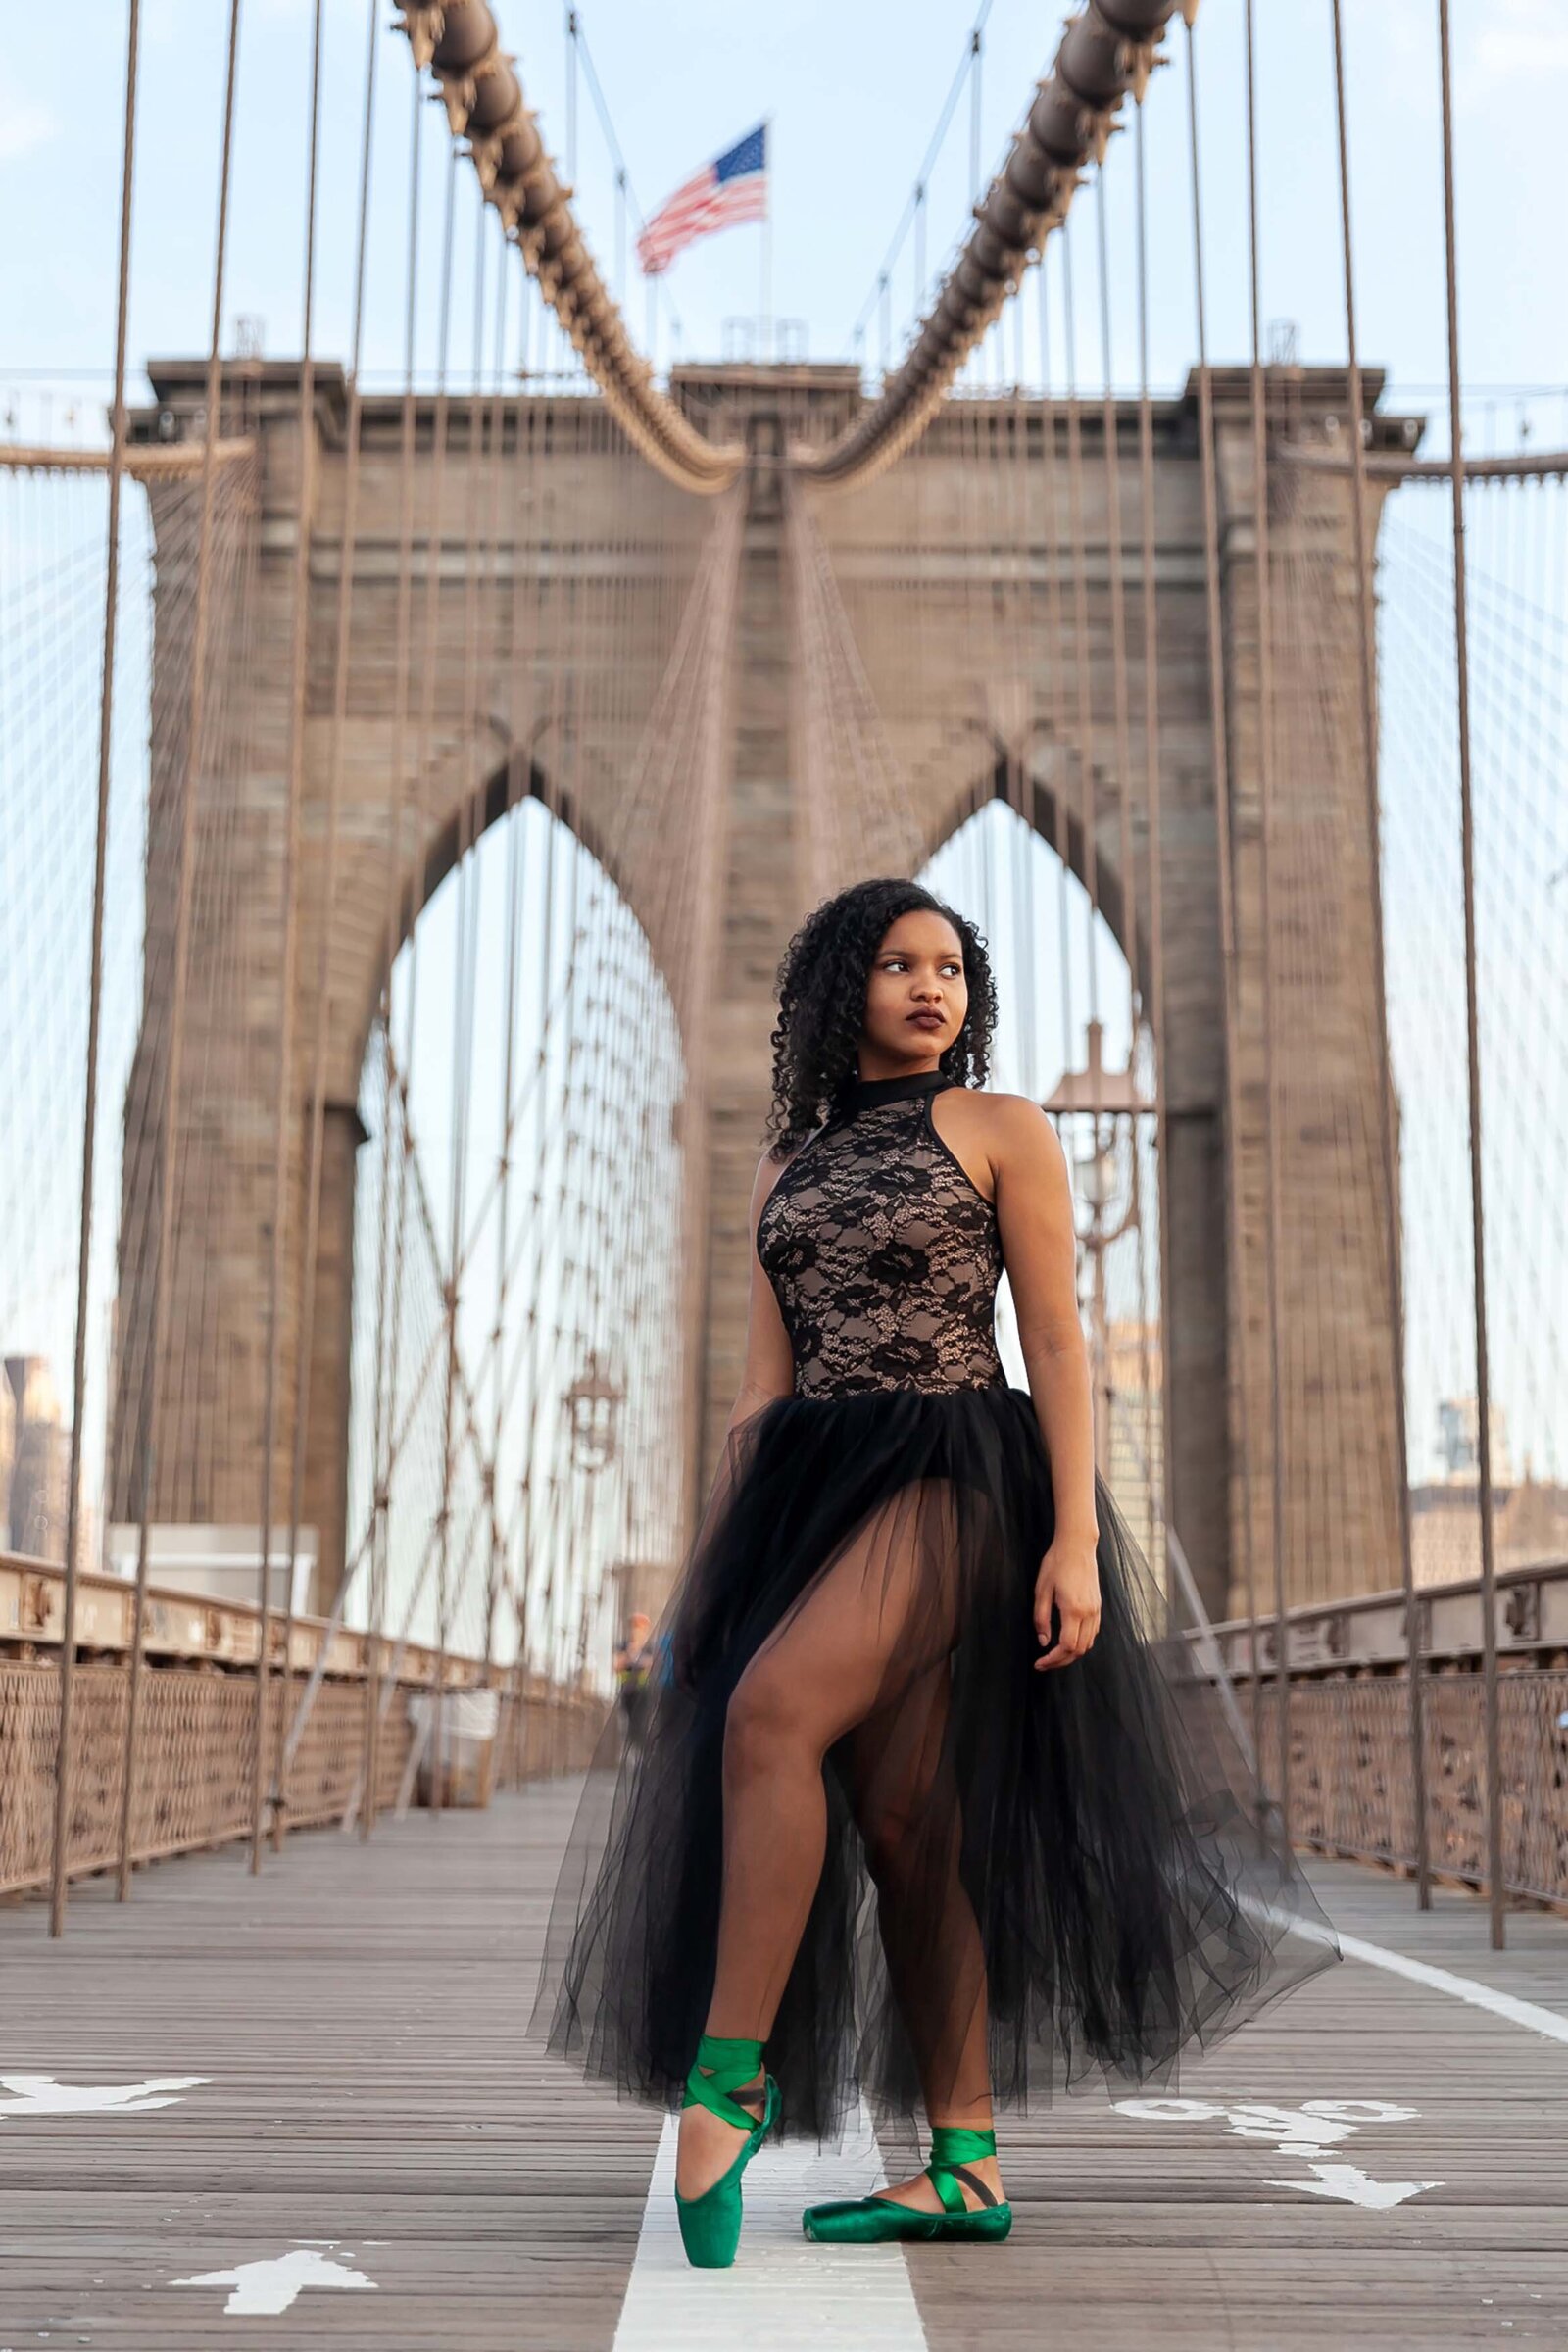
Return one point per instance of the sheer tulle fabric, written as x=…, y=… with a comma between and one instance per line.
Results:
x=1076, y=1862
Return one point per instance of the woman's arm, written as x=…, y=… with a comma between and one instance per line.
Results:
x=1040, y=1248
x=769, y=1368
x=768, y=1372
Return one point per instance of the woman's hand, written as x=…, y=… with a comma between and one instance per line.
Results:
x=1068, y=1581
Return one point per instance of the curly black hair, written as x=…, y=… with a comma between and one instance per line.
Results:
x=821, y=987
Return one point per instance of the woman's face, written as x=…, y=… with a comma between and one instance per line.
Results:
x=916, y=996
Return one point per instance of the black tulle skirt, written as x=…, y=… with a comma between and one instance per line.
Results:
x=1100, y=1827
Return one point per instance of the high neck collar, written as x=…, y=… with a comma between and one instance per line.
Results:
x=865, y=1094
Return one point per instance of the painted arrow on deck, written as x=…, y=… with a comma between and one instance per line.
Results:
x=261, y=2289
x=1347, y=2183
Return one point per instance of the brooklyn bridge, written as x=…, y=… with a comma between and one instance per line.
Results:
x=420, y=744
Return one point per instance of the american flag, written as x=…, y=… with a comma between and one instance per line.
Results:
x=733, y=187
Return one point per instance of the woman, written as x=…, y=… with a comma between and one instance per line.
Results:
x=910, y=1645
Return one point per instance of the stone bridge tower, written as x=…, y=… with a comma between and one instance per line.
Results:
x=958, y=740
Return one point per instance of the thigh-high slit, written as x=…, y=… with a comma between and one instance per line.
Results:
x=863, y=1825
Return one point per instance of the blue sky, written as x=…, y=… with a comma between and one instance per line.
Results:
x=853, y=96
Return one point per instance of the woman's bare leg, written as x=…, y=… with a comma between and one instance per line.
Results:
x=910, y=1826
x=823, y=1670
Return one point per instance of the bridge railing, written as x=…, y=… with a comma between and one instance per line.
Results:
x=1346, y=1683
x=196, y=1740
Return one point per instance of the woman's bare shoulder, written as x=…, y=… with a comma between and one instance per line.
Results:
x=1009, y=1130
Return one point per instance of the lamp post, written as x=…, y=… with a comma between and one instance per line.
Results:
x=592, y=1406
x=1102, y=1096
x=593, y=1416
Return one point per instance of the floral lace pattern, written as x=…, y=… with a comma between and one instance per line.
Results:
x=883, y=1256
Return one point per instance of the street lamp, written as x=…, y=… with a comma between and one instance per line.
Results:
x=593, y=1416
x=1108, y=1095
x=1097, y=1177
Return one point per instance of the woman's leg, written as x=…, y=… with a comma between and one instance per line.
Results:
x=908, y=1813
x=881, y=1613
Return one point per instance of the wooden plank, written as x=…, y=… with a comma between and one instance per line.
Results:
x=1129, y=2230
x=359, y=2015
x=359, y=2012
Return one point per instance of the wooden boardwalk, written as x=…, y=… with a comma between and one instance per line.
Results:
x=351, y=2106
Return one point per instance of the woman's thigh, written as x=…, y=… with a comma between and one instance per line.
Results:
x=872, y=1627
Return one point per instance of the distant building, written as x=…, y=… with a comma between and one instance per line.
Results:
x=40, y=1464
x=1530, y=1525
x=1458, y=1440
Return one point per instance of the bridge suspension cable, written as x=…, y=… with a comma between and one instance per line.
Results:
x=459, y=41
x=1105, y=53
x=913, y=216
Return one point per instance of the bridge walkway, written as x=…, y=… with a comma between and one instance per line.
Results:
x=342, y=2139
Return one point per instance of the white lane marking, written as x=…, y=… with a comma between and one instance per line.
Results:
x=1305, y=2131
x=1507, y=2005
x=261, y=2289
x=42, y=2094
x=1349, y=2185
x=783, y=2292
x=1529, y=2014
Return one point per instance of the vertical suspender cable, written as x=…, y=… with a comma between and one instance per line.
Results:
x=390, y=1248
x=1478, y=1231
x=1366, y=646
x=1157, y=898
x=58, y=1879
x=462, y=981
x=195, y=728
x=919, y=248
x=1061, y=838
x=1218, y=727
x=1265, y=784
x=571, y=98
x=1122, y=740
x=493, y=504
x=306, y=1328
x=1019, y=762
x=1121, y=726
x=289, y=895
x=1083, y=665
x=424, y=739
x=518, y=765
x=975, y=54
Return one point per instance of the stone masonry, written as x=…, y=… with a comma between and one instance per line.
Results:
x=944, y=564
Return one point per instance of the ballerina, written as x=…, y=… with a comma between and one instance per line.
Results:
x=913, y=1645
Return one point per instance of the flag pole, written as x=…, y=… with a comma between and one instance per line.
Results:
x=767, y=352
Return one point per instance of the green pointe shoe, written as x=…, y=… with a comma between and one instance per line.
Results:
x=869, y=2221
x=711, y=2224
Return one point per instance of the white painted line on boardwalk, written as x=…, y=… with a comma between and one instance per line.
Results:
x=263, y=2289
x=1528, y=2014
x=783, y=2292
x=42, y=2094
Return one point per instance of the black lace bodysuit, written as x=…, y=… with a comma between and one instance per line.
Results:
x=883, y=1253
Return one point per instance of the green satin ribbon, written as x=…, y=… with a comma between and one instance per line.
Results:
x=723, y=2065
x=952, y=2144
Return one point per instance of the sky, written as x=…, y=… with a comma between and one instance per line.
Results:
x=851, y=97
